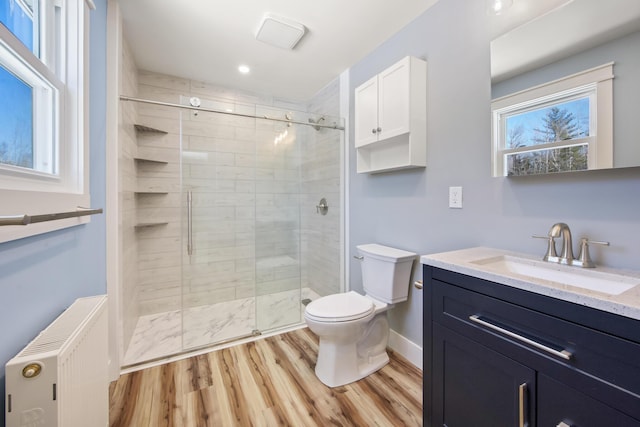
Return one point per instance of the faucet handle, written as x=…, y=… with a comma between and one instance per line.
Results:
x=584, y=260
x=551, y=254
x=594, y=242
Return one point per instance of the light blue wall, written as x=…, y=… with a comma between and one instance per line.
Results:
x=41, y=276
x=409, y=209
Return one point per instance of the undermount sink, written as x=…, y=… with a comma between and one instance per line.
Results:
x=593, y=280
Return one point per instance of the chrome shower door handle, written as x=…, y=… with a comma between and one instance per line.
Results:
x=189, y=222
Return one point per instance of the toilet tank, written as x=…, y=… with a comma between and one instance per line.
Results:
x=386, y=272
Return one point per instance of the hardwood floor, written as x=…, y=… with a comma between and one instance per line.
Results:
x=269, y=382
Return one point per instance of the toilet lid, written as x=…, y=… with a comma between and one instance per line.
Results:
x=340, y=307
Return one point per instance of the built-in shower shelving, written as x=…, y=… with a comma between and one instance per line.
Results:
x=148, y=129
x=141, y=225
x=160, y=192
x=148, y=159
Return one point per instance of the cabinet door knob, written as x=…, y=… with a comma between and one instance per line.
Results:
x=373, y=130
x=379, y=130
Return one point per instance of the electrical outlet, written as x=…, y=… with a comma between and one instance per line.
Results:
x=455, y=197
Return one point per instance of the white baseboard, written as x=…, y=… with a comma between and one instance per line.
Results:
x=408, y=349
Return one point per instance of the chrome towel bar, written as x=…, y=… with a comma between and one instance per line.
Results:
x=31, y=219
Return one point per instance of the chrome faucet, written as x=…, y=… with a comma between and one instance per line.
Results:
x=566, y=254
x=566, y=257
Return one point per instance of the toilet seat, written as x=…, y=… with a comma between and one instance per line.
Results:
x=340, y=308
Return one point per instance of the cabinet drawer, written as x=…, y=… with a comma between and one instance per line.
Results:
x=541, y=340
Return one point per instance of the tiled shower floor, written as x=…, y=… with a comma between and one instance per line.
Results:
x=160, y=335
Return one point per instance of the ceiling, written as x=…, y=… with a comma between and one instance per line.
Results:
x=521, y=12
x=207, y=40
x=533, y=34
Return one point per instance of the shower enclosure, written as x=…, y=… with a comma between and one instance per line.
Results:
x=223, y=232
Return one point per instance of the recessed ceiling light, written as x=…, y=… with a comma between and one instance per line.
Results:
x=497, y=7
x=244, y=69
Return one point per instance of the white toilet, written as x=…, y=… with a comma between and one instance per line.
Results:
x=353, y=329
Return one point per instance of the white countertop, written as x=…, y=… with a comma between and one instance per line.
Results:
x=462, y=261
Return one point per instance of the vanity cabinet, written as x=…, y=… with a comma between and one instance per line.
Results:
x=390, y=118
x=501, y=356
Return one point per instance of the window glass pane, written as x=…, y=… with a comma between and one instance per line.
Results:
x=559, y=122
x=18, y=16
x=563, y=159
x=16, y=121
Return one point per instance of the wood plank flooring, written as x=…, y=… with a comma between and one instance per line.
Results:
x=268, y=382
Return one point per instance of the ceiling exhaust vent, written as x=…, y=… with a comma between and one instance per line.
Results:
x=280, y=32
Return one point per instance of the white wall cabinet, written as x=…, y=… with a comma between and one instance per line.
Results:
x=390, y=118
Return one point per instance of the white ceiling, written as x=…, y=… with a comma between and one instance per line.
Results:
x=206, y=40
x=521, y=12
x=526, y=38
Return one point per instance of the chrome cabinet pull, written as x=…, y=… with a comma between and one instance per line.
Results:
x=522, y=396
x=564, y=354
x=189, y=222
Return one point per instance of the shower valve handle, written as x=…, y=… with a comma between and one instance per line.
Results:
x=322, y=207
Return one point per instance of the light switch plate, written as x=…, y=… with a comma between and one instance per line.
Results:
x=455, y=197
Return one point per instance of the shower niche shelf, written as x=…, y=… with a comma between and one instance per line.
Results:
x=144, y=192
x=141, y=225
x=149, y=159
x=146, y=159
x=147, y=129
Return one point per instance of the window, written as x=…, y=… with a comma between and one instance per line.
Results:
x=43, y=117
x=561, y=126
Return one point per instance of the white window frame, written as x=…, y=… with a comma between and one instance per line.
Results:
x=60, y=79
x=597, y=83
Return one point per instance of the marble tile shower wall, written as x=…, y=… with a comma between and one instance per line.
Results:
x=321, y=178
x=127, y=147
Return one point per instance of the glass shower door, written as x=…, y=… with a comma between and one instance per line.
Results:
x=218, y=192
x=278, y=261
x=254, y=241
x=298, y=244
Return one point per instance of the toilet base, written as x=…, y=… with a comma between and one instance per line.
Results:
x=338, y=363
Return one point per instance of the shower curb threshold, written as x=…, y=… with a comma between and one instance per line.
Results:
x=209, y=349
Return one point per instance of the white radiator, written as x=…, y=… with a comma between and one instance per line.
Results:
x=60, y=379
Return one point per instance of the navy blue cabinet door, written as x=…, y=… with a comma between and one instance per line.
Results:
x=478, y=387
x=559, y=403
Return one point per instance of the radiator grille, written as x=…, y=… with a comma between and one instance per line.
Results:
x=62, y=329
x=71, y=386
